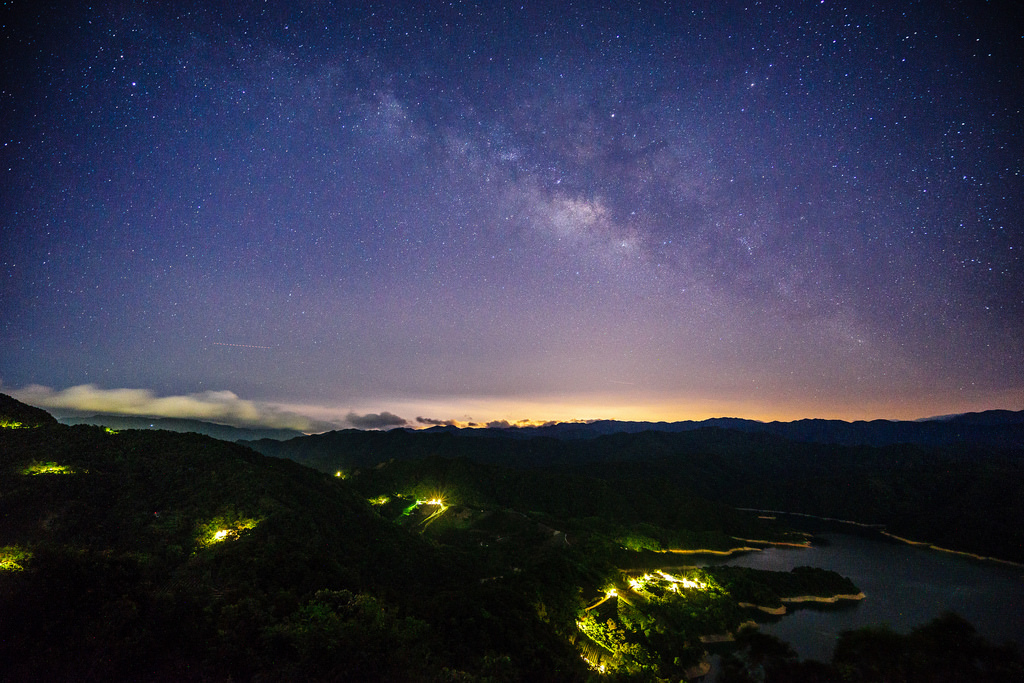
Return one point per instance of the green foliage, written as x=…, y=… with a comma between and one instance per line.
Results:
x=638, y=515
x=945, y=649
x=526, y=518
x=652, y=623
x=605, y=633
x=228, y=526
x=180, y=557
x=13, y=558
x=766, y=589
x=115, y=588
x=37, y=468
x=16, y=415
x=640, y=537
x=354, y=635
x=639, y=477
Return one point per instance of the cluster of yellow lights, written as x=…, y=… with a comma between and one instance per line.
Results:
x=436, y=501
x=675, y=582
x=46, y=468
x=640, y=583
x=11, y=424
x=231, y=533
x=380, y=500
x=11, y=558
x=341, y=474
x=600, y=668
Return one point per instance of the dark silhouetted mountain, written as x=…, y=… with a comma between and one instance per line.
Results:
x=154, y=555
x=998, y=428
x=988, y=418
x=964, y=497
x=174, y=424
x=15, y=412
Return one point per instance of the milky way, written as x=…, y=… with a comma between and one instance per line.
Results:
x=469, y=211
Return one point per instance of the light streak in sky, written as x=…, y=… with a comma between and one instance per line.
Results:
x=243, y=346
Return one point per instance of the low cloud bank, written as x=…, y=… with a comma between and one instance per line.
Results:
x=505, y=424
x=437, y=423
x=375, y=420
x=224, y=407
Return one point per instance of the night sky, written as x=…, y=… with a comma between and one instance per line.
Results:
x=315, y=215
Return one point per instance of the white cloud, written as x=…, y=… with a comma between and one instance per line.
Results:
x=375, y=420
x=216, y=406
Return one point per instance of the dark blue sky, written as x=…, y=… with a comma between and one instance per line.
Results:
x=367, y=213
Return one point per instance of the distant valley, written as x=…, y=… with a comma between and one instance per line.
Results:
x=997, y=428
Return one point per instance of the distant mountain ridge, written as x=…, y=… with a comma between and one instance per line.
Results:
x=174, y=424
x=991, y=428
x=994, y=428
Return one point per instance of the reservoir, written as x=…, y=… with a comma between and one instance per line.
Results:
x=905, y=585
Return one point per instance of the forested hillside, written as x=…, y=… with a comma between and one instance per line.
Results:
x=159, y=556
x=967, y=498
x=148, y=555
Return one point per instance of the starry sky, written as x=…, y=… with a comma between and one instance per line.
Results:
x=319, y=215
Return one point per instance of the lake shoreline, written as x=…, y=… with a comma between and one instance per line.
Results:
x=905, y=587
x=829, y=599
x=881, y=529
x=705, y=551
x=963, y=553
x=733, y=551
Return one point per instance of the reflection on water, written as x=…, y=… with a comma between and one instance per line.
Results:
x=905, y=585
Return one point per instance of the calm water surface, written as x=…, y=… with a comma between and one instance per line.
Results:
x=905, y=586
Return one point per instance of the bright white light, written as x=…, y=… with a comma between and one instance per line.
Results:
x=686, y=583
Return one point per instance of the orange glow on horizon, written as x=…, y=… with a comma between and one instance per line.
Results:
x=524, y=414
x=469, y=412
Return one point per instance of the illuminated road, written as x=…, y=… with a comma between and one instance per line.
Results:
x=610, y=594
